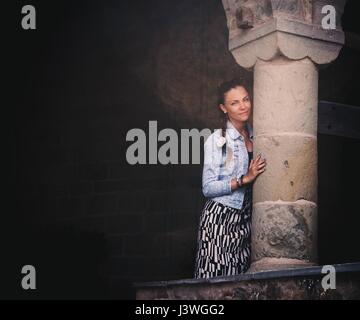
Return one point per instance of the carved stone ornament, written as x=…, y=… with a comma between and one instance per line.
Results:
x=266, y=29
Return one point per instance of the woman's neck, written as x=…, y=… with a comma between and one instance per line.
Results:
x=239, y=126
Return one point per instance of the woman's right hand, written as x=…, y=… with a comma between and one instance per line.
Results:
x=257, y=166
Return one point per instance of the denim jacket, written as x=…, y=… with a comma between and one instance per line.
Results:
x=221, y=166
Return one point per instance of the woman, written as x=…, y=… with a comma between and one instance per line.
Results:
x=224, y=232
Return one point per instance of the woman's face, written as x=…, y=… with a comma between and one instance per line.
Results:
x=237, y=104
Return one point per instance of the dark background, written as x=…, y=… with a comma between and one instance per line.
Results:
x=90, y=223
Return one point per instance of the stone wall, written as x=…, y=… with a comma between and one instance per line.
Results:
x=294, y=284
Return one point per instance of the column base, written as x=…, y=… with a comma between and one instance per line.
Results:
x=278, y=263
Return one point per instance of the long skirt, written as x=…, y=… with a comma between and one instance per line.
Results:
x=224, y=237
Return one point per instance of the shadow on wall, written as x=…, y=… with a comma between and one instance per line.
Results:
x=338, y=219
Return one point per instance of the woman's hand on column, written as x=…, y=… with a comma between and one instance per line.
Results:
x=257, y=166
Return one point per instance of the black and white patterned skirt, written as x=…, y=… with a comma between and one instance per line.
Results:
x=224, y=238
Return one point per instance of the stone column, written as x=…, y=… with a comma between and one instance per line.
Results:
x=284, y=43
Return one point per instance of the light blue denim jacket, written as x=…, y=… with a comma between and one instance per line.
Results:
x=220, y=168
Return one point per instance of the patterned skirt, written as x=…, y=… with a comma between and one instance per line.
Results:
x=224, y=237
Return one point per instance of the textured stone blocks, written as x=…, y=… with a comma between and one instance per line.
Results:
x=291, y=172
x=286, y=94
x=284, y=229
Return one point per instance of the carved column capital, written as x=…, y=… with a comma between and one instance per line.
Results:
x=266, y=29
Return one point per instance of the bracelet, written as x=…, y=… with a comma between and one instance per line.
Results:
x=239, y=181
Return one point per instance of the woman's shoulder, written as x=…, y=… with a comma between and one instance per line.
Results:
x=212, y=138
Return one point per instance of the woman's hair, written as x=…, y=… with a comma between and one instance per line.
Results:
x=222, y=90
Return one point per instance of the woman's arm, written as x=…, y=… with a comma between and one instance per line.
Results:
x=212, y=187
